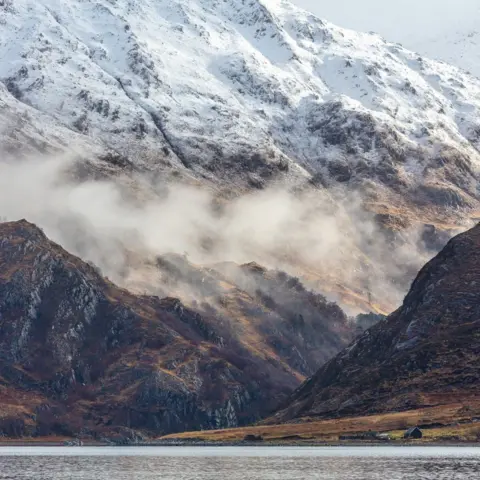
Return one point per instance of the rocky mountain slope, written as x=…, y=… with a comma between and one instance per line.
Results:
x=79, y=355
x=246, y=91
x=425, y=354
x=371, y=152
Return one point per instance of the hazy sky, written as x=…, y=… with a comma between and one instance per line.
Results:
x=398, y=20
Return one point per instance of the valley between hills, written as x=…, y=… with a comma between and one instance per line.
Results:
x=223, y=220
x=419, y=367
x=83, y=358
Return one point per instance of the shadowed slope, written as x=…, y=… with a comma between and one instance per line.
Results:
x=424, y=354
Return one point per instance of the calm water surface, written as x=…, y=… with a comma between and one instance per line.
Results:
x=238, y=463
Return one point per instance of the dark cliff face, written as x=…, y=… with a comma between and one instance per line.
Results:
x=426, y=353
x=79, y=355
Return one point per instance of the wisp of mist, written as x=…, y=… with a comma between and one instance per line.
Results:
x=115, y=225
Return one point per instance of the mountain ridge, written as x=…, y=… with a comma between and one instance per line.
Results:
x=458, y=47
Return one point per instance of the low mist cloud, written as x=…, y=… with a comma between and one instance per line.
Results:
x=328, y=237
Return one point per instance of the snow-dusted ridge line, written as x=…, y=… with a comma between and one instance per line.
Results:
x=203, y=83
x=460, y=47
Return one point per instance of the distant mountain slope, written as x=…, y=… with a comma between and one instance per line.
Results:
x=250, y=91
x=424, y=354
x=80, y=355
x=460, y=47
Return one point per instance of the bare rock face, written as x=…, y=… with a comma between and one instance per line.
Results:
x=79, y=355
x=426, y=353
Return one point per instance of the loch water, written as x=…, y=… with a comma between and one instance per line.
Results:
x=240, y=463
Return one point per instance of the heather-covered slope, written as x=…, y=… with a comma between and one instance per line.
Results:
x=80, y=355
x=427, y=353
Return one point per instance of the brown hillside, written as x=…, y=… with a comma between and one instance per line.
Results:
x=79, y=355
x=426, y=353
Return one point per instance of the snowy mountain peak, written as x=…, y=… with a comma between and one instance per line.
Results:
x=255, y=89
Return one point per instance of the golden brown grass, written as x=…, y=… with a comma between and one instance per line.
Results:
x=469, y=432
x=51, y=440
x=330, y=430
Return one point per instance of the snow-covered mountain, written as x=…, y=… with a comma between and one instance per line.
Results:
x=460, y=47
x=439, y=29
x=252, y=89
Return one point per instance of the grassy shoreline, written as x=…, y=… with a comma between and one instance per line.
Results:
x=193, y=443
x=444, y=423
x=441, y=425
